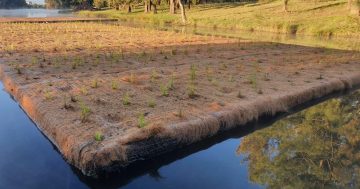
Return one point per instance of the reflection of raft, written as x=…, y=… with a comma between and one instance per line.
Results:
x=54, y=20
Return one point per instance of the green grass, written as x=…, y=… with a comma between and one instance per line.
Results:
x=98, y=137
x=85, y=112
x=141, y=121
x=319, y=18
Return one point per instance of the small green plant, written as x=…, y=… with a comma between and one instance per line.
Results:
x=171, y=84
x=114, y=85
x=99, y=137
x=253, y=80
x=84, y=91
x=85, y=112
x=192, y=72
x=192, y=91
x=164, y=90
x=48, y=95
x=151, y=103
x=141, y=121
x=76, y=62
x=34, y=61
x=154, y=76
x=95, y=84
x=126, y=99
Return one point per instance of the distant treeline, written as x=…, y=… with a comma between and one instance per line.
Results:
x=12, y=3
x=116, y=3
x=151, y=5
x=76, y=4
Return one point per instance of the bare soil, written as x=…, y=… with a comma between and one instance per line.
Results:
x=108, y=96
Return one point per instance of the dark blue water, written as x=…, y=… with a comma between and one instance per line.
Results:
x=28, y=160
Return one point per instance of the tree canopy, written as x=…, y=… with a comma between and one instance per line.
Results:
x=68, y=3
x=12, y=3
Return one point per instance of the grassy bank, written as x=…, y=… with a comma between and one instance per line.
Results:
x=326, y=18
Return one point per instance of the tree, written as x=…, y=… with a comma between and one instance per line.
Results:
x=182, y=9
x=286, y=2
x=52, y=4
x=172, y=6
x=77, y=4
x=100, y=3
x=12, y=3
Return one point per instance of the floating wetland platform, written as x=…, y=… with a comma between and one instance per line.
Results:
x=109, y=96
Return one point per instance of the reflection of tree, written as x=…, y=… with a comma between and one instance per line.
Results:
x=316, y=148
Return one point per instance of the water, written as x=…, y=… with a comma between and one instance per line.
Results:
x=341, y=43
x=317, y=147
x=33, y=13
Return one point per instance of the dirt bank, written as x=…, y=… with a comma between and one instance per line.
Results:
x=130, y=99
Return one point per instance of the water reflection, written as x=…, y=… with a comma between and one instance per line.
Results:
x=342, y=43
x=315, y=148
x=34, y=13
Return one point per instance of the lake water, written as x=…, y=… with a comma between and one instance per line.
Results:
x=33, y=13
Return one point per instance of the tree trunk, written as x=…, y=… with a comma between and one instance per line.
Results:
x=172, y=7
x=146, y=6
x=189, y=4
x=128, y=8
x=182, y=9
x=154, y=8
x=286, y=2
